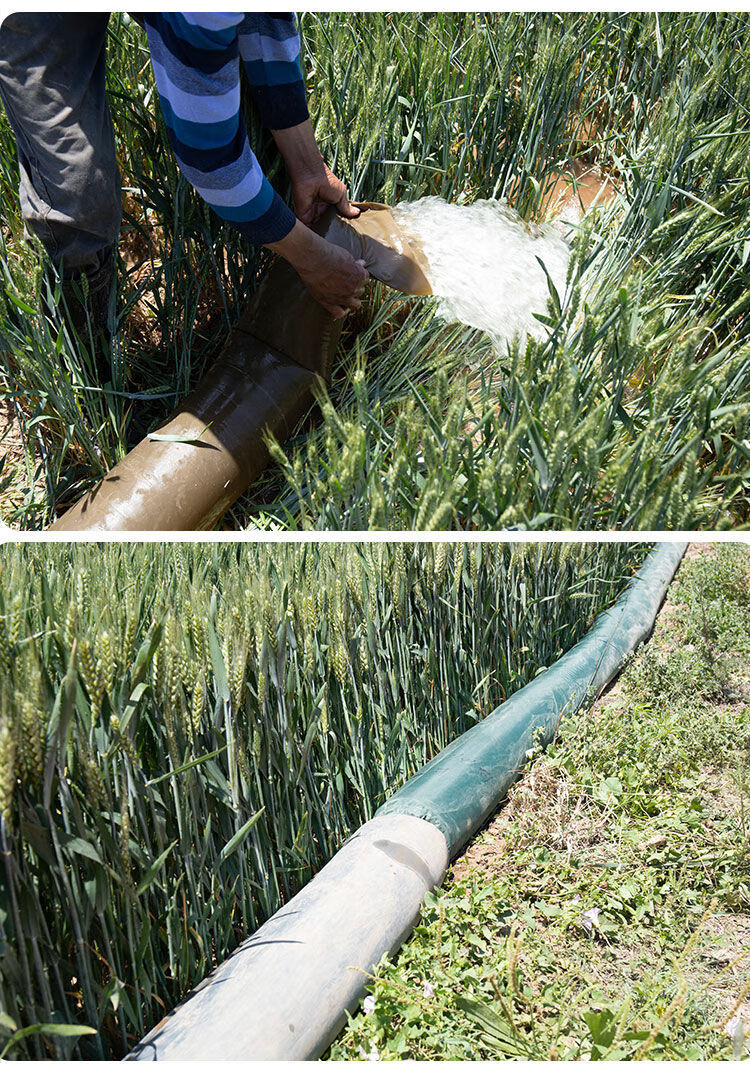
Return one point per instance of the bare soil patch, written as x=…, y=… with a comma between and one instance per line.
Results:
x=574, y=192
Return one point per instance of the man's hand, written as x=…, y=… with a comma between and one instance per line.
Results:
x=314, y=192
x=314, y=187
x=332, y=275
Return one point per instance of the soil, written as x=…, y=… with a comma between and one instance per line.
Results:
x=140, y=248
x=135, y=251
x=575, y=192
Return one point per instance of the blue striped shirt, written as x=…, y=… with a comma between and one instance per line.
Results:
x=196, y=60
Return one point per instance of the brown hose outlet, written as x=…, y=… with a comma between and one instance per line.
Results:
x=280, y=313
x=261, y=383
x=388, y=255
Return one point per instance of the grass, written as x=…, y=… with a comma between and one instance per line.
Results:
x=188, y=732
x=633, y=414
x=603, y=913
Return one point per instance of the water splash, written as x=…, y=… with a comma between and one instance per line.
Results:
x=483, y=264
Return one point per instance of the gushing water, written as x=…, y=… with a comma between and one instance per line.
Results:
x=483, y=264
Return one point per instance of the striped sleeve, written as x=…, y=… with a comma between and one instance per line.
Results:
x=269, y=47
x=196, y=63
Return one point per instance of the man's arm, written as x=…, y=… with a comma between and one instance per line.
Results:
x=196, y=67
x=270, y=50
x=269, y=46
x=195, y=59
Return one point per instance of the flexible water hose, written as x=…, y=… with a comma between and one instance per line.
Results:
x=285, y=992
x=205, y=456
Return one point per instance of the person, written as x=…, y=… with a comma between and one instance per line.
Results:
x=52, y=84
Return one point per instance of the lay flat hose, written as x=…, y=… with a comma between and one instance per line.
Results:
x=284, y=993
x=459, y=788
x=262, y=382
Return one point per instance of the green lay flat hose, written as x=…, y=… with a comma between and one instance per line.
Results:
x=458, y=789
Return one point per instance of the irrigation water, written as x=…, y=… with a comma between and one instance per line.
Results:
x=487, y=265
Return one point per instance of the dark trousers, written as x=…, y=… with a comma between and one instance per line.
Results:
x=52, y=84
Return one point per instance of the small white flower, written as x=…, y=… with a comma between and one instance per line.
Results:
x=374, y=1054
x=530, y=753
x=368, y=1004
x=428, y=990
x=590, y=919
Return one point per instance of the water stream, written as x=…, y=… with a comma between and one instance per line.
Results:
x=483, y=264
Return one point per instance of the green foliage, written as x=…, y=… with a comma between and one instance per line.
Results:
x=712, y=635
x=606, y=918
x=633, y=414
x=43, y=1029
x=188, y=732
